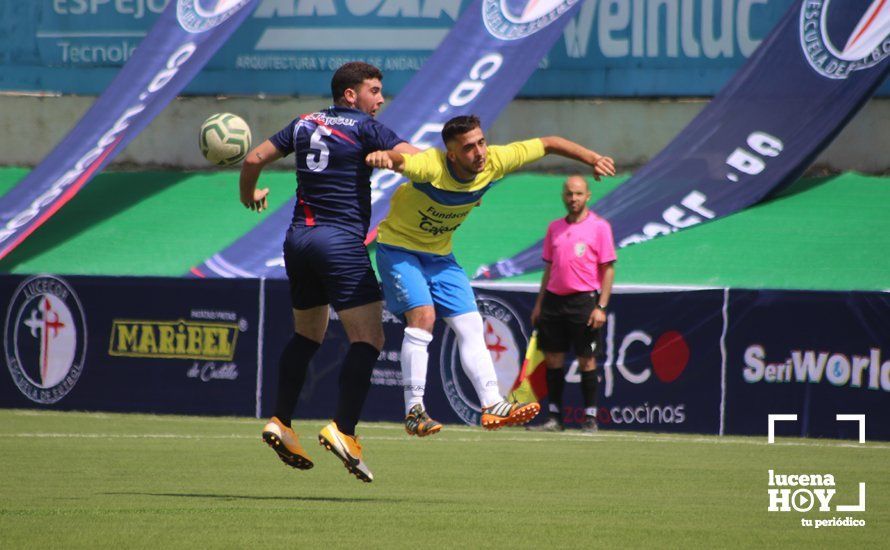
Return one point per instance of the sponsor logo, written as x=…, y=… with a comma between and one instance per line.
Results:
x=503, y=332
x=867, y=45
x=196, y=16
x=580, y=248
x=515, y=19
x=326, y=120
x=179, y=339
x=211, y=371
x=811, y=366
x=435, y=227
x=642, y=414
x=690, y=211
x=667, y=359
x=45, y=337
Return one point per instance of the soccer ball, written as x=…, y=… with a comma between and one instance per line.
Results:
x=224, y=139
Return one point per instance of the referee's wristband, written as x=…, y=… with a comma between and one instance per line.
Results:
x=601, y=307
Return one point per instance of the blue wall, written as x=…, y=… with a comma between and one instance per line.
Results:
x=624, y=48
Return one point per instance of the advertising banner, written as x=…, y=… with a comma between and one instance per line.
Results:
x=797, y=92
x=130, y=344
x=662, y=364
x=188, y=33
x=813, y=354
x=704, y=361
x=656, y=375
x=478, y=68
x=609, y=48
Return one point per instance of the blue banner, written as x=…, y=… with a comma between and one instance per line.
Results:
x=610, y=48
x=798, y=91
x=661, y=370
x=813, y=354
x=707, y=361
x=478, y=68
x=184, y=38
x=125, y=344
x=655, y=375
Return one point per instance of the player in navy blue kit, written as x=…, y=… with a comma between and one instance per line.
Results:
x=324, y=254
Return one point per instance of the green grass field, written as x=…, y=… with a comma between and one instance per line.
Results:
x=107, y=480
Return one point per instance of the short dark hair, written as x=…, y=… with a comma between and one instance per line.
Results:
x=459, y=125
x=351, y=75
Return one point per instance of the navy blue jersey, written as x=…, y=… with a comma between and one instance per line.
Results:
x=333, y=181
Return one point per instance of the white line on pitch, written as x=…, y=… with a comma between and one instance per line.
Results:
x=479, y=439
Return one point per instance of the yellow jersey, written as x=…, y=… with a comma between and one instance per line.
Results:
x=425, y=211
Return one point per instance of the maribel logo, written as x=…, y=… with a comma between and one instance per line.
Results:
x=866, y=45
x=504, y=333
x=201, y=15
x=178, y=339
x=45, y=338
x=515, y=19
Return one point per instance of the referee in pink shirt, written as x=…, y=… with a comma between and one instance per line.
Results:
x=571, y=308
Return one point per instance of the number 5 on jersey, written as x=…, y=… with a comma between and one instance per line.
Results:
x=317, y=157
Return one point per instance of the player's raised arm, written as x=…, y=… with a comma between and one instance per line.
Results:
x=602, y=165
x=256, y=160
x=387, y=160
x=406, y=147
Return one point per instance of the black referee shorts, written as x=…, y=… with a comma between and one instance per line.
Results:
x=563, y=324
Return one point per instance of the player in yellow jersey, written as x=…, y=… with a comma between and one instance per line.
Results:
x=420, y=276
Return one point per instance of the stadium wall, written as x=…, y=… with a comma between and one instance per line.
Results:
x=631, y=130
x=714, y=361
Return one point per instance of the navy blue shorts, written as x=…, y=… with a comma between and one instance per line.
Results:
x=327, y=265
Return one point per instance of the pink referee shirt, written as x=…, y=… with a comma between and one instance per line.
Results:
x=575, y=252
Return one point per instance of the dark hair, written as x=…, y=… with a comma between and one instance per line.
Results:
x=351, y=75
x=459, y=125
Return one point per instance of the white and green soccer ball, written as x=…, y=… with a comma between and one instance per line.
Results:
x=224, y=139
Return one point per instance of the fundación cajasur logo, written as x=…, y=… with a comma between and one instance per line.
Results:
x=866, y=46
x=197, y=16
x=45, y=337
x=515, y=19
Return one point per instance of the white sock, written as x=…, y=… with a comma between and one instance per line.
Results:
x=475, y=357
x=414, y=362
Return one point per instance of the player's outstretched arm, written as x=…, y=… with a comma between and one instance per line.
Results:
x=387, y=160
x=407, y=148
x=602, y=165
x=253, y=164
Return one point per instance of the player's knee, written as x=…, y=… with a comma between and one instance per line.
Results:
x=423, y=318
x=554, y=360
x=372, y=335
x=586, y=364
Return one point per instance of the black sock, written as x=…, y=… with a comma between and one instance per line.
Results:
x=355, y=381
x=555, y=383
x=588, y=388
x=292, y=369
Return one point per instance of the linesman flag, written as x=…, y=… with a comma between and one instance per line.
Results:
x=531, y=384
